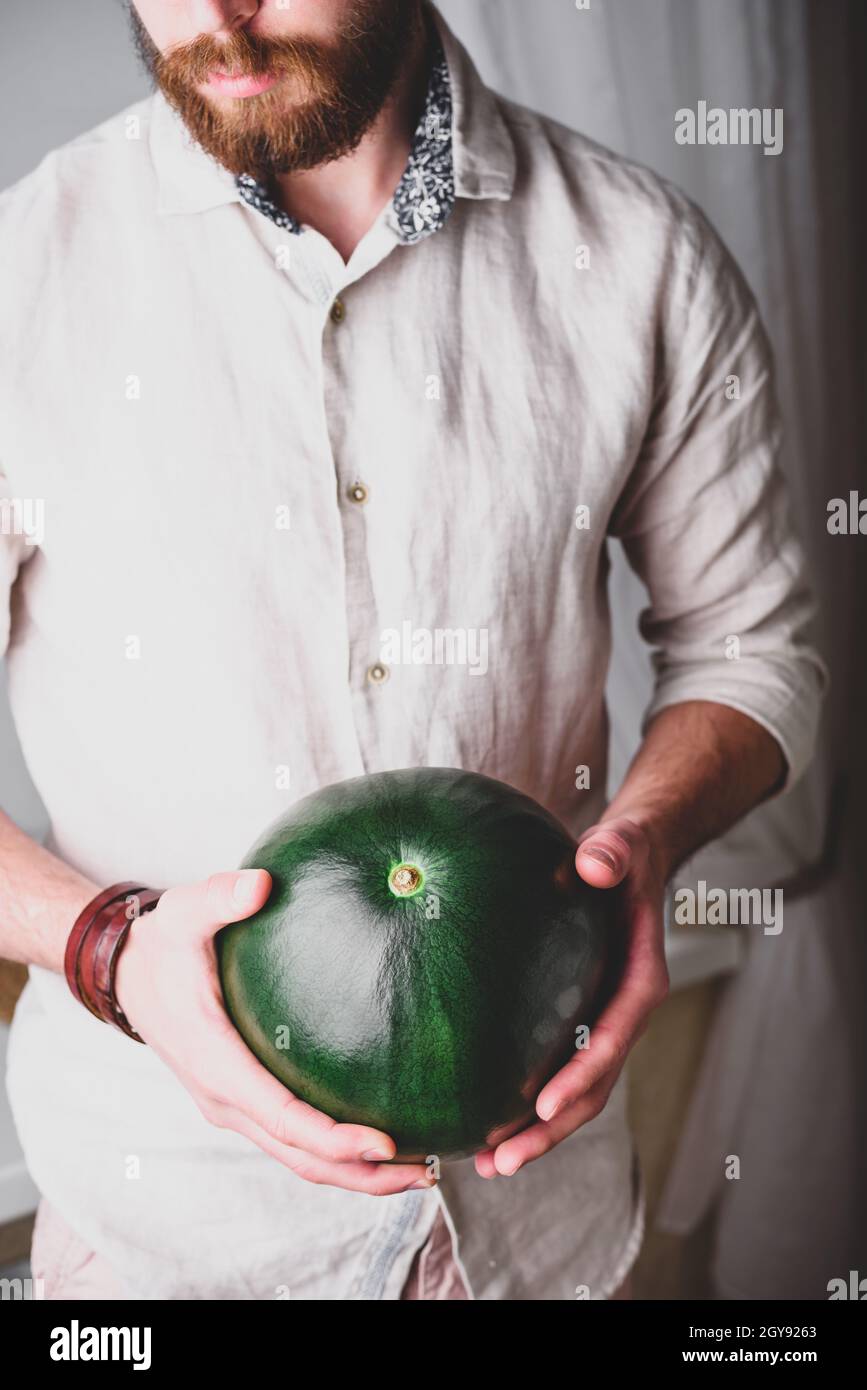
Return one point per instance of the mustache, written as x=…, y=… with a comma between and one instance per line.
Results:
x=243, y=55
x=339, y=85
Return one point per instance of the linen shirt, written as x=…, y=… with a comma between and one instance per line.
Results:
x=307, y=519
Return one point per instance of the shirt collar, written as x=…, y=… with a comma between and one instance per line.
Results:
x=462, y=148
x=425, y=196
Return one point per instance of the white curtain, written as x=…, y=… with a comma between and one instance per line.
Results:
x=782, y=1084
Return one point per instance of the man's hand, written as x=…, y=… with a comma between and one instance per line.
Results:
x=168, y=986
x=612, y=852
x=700, y=768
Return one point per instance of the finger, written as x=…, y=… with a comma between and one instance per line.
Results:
x=606, y=852
x=241, y=1083
x=608, y=1049
x=538, y=1139
x=200, y=909
x=376, y=1179
x=484, y=1162
x=642, y=987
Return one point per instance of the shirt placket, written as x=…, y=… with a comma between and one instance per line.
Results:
x=368, y=676
x=319, y=274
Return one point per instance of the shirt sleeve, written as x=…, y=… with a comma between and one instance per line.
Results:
x=14, y=550
x=705, y=516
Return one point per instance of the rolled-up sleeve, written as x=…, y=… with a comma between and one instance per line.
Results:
x=705, y=517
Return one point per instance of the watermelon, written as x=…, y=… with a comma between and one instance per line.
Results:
x=424, y=959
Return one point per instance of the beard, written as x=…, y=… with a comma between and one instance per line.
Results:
x=325, y=101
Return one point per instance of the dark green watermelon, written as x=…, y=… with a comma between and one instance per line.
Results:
x=424, y=958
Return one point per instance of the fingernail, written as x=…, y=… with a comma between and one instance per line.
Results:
x=376, y=1156
x=422, y=1182
x=245, y=887
x=553, y=1113
x=509, y=1172
x=602, y=857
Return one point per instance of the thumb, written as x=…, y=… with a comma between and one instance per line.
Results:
x=202, y=908
x=606, y=852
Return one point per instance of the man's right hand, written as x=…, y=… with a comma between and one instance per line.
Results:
x=168, y=986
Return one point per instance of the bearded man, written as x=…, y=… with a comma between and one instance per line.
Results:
x=321, y=338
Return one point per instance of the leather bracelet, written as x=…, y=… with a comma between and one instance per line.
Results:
x=110, y=943
x=82, y=924
x=94, y=946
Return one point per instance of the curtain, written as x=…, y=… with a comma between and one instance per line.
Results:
x=782, y=1082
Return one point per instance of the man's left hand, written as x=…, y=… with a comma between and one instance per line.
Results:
x=614, y=851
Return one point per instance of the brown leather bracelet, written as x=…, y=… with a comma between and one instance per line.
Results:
x=80, y=929
x=94, y=946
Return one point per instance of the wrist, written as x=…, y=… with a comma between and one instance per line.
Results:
x=44, y=920
x=74, y=903
x=94, y=947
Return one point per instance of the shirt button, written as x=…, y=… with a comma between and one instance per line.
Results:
x=358, y=492
x=377, y=673
x=338, y=311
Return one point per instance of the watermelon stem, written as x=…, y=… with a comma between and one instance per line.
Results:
x=405, y=880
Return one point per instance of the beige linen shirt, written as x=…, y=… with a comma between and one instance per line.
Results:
x=259, y=513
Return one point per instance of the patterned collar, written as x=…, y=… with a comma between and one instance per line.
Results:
x=425, y=196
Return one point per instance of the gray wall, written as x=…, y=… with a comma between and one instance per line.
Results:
x=65, y=65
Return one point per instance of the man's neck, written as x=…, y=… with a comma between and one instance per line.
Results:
x=343, y=199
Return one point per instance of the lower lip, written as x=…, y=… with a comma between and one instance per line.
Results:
x=240, y=86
